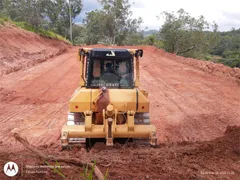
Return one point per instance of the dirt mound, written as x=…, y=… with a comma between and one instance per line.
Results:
x=229, y=144
x=20, y=49
x=201, y=160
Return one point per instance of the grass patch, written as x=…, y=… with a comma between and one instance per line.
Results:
x=51, y=34
x=3, y=20
x=210, y=57
x=88, y=172
x=207, y=57
x=41, y=31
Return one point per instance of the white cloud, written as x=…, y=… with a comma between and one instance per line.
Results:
x=212, y=10
x=225, y=13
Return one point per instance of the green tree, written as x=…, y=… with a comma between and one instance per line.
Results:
x=79, y=35
x=5, y=7
x=186, y=35
x=58, y=13
x=117, y=13
x=132, y=35
x=229, y=48
x=94, y=27
x=23, y=10
x=1, y=7
x=113, y=24
x=151, y=39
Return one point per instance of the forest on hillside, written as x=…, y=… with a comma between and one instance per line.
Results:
x=113, y=24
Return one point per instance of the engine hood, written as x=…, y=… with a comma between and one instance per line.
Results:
x=97, y=99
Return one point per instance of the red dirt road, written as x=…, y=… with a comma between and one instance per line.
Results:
x=187, y=104
x=34, y=101
x=191, y=100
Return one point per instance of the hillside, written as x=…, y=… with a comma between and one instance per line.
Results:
x=21, y=49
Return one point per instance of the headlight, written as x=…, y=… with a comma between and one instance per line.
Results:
x=70, y=119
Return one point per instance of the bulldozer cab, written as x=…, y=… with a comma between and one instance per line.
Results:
x=111, y=68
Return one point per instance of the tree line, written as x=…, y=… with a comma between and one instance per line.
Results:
x=47, y=14
x=113, y=25
x=228, y=48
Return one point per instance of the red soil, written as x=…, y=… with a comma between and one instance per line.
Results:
x=191, y=100
x=21, y=49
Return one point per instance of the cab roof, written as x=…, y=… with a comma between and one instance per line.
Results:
x=111, y=53
x=108, y=53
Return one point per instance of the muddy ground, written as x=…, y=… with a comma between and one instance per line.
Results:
x=192, y=104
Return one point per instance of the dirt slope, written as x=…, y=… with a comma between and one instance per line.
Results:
x=20, y=49
x=188, y=103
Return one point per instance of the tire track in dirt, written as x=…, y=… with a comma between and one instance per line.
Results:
x=162, y=75
x=43, y=98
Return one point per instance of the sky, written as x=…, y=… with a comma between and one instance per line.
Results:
x=225, y=13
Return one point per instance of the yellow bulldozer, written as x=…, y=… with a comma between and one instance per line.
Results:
x=108, y=104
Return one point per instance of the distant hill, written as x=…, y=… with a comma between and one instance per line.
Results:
x=150, y=32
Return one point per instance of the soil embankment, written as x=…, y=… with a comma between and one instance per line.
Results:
x=22, y=49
